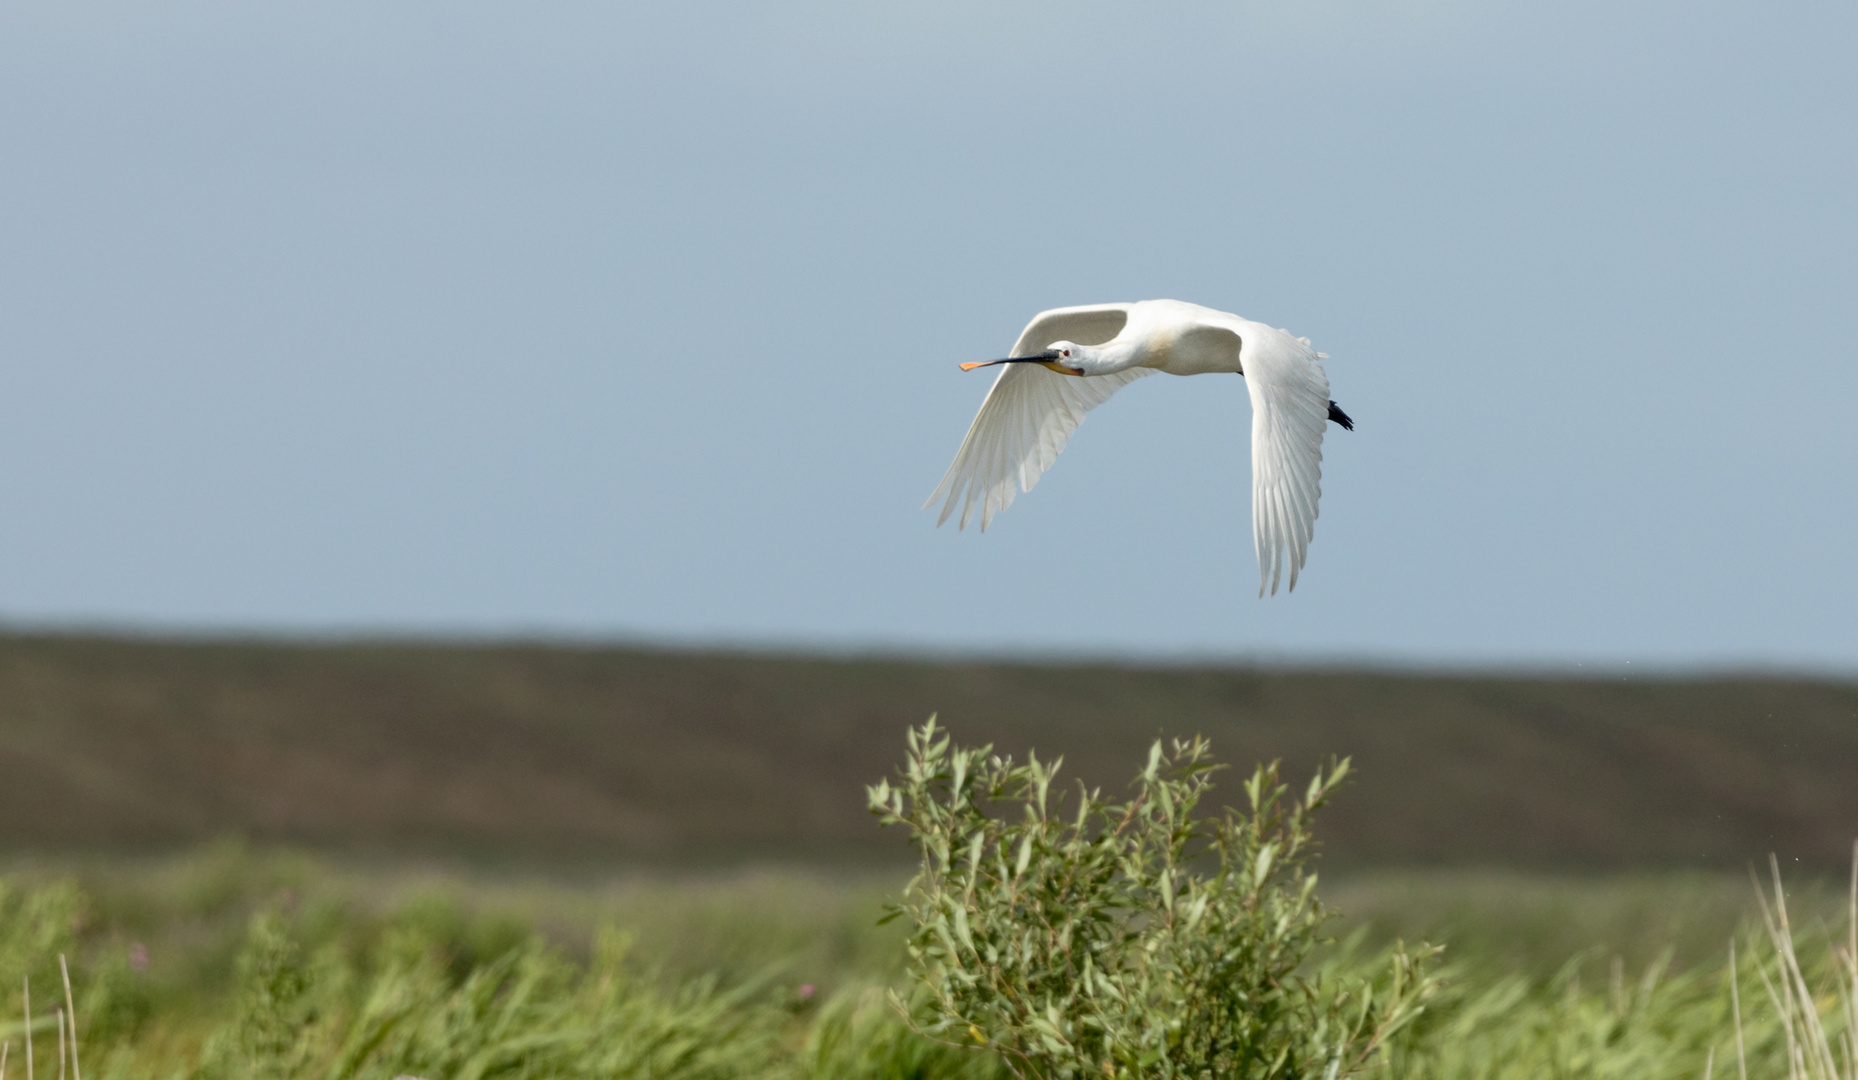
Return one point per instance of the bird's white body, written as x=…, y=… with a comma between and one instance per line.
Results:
x=1034, y=406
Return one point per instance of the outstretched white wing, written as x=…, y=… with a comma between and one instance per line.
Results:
x=1290, y=406
x=1030, y=414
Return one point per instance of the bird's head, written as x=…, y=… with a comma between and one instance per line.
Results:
x=1064, y=357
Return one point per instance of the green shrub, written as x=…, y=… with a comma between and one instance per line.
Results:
x=1128, y=938
x=271, y=1032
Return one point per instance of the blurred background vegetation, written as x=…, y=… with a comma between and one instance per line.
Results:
x=553, y=755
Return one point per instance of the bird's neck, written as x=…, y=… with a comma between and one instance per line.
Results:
x=1109, y=358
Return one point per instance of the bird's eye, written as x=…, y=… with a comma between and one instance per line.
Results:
x=1067, y=352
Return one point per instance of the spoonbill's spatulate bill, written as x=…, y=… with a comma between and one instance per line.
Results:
x=1070, y=360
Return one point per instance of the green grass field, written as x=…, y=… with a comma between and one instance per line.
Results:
x=527, y=861
x=1618, y=975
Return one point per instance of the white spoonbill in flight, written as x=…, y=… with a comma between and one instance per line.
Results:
x=1070, y=360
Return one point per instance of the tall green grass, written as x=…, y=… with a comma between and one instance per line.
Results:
x=264, y=963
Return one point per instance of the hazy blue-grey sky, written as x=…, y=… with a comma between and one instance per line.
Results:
x=643, y=320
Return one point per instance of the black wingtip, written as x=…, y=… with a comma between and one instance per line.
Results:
x=1340, y=417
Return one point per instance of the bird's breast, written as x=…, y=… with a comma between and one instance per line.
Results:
x=1195, y=350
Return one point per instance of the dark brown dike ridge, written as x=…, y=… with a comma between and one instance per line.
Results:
x=546, y=752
